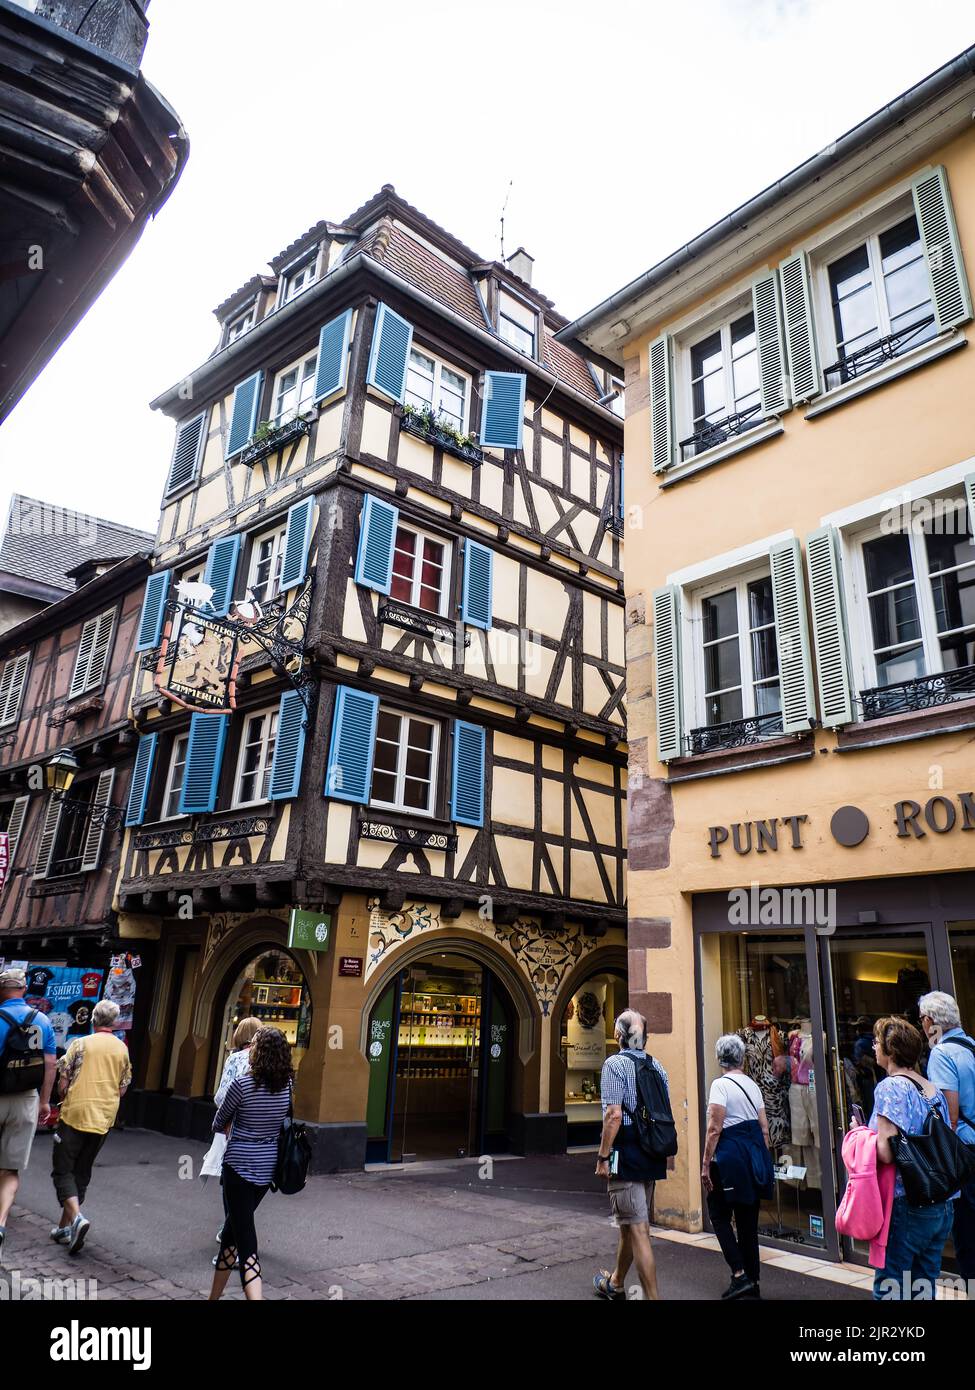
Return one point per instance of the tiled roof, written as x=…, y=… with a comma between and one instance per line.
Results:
x=44, y=541
x=425, y=269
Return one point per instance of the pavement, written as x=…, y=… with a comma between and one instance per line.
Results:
x=512, y=1229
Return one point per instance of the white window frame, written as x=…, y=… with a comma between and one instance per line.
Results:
x=695, y=699
x=854, y=538
x=248, y=313
x=445, y=574
x=171, y=788
x=399, y=804
x=266, y=744
x=299, y=366
x=308, y=261
x=438, y=365
x=685, y=341
x=867, y=230
x=503, y=293
x=277, y=535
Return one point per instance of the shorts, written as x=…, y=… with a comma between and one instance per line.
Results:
x=18, y=1121
x=630, y=1202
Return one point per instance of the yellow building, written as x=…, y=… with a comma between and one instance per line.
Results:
x=801, y=631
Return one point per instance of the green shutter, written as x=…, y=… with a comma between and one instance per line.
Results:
x=829, y=627
x=661, y=405
x=942, y=248
x=767, y=312
x=800, y=333
x=792, y=638
x=666, y=652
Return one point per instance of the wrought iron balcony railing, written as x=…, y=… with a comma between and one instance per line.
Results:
x=734, y=733
x=262, y=446
x=715, y=432
x=923, y=692
x=867, y=359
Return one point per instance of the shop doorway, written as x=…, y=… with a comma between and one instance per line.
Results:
x=439, y=1050
x=270, y=987
x=866, y=977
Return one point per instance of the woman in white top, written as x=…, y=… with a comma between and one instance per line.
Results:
x=237, y=1064
x=736, y=1147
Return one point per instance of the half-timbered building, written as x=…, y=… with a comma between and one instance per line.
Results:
x=67, y=748
x=380, y=780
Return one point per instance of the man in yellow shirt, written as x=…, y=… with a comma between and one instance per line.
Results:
x=93, y=1076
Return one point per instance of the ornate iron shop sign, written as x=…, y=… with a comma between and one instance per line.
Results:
x=405, y=835
x=197, y=660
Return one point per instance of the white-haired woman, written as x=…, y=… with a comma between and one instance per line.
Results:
x=93, y=1076
x=736, y=1169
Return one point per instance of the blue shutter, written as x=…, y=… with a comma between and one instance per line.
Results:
x=151, y=620
x=186, y=453
x=221, y=571
x=374, y=562
x=297, y=540
x=348, y=776
x=208, y=734
x=243, y=416
x=289, y=747
x=504, y=409
x=467, y=786
x=333, y=356
x=392, y=339
x=139, y=786
x=478, y=584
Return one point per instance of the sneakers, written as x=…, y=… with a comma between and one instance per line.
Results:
x=740, y=1286
x=60, y=1234
x=76, y=1234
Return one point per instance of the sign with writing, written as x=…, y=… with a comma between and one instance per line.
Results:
x=309, y=931
x=849, y=825
x=198, y=660
x=4, y=857
x=350, y=965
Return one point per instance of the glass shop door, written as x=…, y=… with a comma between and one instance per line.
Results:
x=866, y=976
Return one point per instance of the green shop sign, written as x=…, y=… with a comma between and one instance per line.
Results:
x=309, y=931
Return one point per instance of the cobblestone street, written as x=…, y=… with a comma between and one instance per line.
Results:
x=537, y=1229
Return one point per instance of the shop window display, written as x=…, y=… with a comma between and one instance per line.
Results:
x=272, y=989
x=586, y=1041
x=757, y=986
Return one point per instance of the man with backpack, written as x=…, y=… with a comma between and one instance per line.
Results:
x=951, y=1066
x=638, y=1137
x=28, y=1053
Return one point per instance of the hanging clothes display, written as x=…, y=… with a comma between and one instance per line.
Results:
x=760, y=1066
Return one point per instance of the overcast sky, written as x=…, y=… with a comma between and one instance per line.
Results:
x=622, y=129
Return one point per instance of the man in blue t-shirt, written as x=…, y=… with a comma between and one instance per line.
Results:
x=20, y=1111
x=951, y=1066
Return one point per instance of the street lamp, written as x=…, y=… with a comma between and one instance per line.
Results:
x=60, y=771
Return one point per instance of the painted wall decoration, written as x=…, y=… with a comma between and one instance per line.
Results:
x=544, y=956
x=586, y=1029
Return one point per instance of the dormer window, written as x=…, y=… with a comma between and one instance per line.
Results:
x=238, y=326
x=296, y=280
x=517, y=323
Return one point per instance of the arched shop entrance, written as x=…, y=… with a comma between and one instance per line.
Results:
x=585, y=1041
x=440, y=1046
x=269, y=985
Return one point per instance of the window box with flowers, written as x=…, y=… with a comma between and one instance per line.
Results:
x=436, y=430
x=269, y=437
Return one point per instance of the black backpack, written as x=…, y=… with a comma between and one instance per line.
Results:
x=294, y=1155
x=935, y=1163
x=22, y=1059
x=652, y=1119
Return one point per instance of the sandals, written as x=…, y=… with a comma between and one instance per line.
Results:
x=603, y=1286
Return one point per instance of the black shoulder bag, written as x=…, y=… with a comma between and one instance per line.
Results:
x=294, y=1154
x=935, y=1163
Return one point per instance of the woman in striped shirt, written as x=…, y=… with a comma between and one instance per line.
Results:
x=254, y=1110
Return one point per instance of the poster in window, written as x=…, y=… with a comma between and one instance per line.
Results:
x=586, y=1034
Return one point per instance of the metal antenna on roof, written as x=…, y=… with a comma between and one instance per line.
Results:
x=503, y=211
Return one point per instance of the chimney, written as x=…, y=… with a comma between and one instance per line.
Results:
x=520, y=264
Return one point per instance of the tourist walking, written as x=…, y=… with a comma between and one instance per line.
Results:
x=236, y=1065
x=629, y=1171
x=902, y=1101
x=951, y=1066
x=736, y=1169
x=252, y=1114
x=28, y=1060
x=93, y=1076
